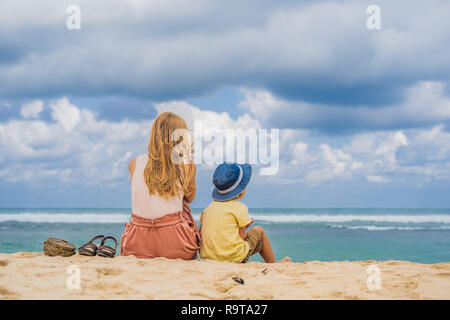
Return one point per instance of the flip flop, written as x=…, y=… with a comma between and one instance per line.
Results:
x=90, y=248
x=107, y=251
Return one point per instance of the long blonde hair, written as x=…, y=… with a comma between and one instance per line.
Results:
x=162, y=175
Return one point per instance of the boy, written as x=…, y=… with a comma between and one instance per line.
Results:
x=225, y=221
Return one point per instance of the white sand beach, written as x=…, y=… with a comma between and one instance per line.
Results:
x=31, y=275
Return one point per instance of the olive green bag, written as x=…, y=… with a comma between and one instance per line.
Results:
x=58, y=247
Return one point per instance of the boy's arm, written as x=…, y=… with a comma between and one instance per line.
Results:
x=243, y=230
x=243, y=233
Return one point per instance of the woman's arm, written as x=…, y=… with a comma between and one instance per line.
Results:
x=189, y=196
x=131, y=167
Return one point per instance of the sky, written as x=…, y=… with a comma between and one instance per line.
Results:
x=363, y=115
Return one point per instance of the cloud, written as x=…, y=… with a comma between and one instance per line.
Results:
x=65, y=114
x=119, y=108
x=378, y=179
x=75, y=148
x=353, y=105
x=319, y=52
x=425, y=104
x=389, y=147
x=5, y=104
x=32, y=109
x=429, y=145
x=330, y=164
x=208, y=119
x=414, y=156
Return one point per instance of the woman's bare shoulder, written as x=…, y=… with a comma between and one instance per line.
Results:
x=132, y=165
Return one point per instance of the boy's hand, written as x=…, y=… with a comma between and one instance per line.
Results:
x=243, y=230
x=251, y=222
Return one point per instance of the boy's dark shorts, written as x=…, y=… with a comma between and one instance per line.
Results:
x=254, y=241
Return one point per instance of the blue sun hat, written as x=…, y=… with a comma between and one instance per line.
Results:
x=230, y=180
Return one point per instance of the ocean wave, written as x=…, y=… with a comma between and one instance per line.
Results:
x=435, y=218
x=65, y=217
x=306, y=218
x=388, y=228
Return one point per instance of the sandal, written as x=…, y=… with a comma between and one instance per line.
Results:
x=107, y=251
x=90, y=248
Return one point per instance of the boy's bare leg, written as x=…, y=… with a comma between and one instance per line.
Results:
x=267, y=251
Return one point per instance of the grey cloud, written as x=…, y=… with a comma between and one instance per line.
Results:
x=310, y=51
x=425, y=104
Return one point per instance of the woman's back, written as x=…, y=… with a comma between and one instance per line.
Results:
x=161, y=224
x=146, y=205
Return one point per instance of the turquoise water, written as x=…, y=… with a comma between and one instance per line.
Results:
x=420, y=235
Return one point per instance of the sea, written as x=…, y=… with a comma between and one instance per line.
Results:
x=419, y=235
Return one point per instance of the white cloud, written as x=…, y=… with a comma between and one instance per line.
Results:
x=380, y=146
x=262, y=104
x=32, y=109
x=5, y=104
x=378, y=179
x=389, y=147
x=212, y=126
x=412, y=156
x=65, y=114
x=78, y=148
x=432, y=145
x=209, y=119
x=332, y=163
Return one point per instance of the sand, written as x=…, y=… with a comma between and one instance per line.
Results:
x=30, y=275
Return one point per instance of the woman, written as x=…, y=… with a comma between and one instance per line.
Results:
x=161, y=223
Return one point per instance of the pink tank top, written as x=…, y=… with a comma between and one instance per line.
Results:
x=150, y=206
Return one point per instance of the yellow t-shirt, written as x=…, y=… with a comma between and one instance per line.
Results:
x=220, y=222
